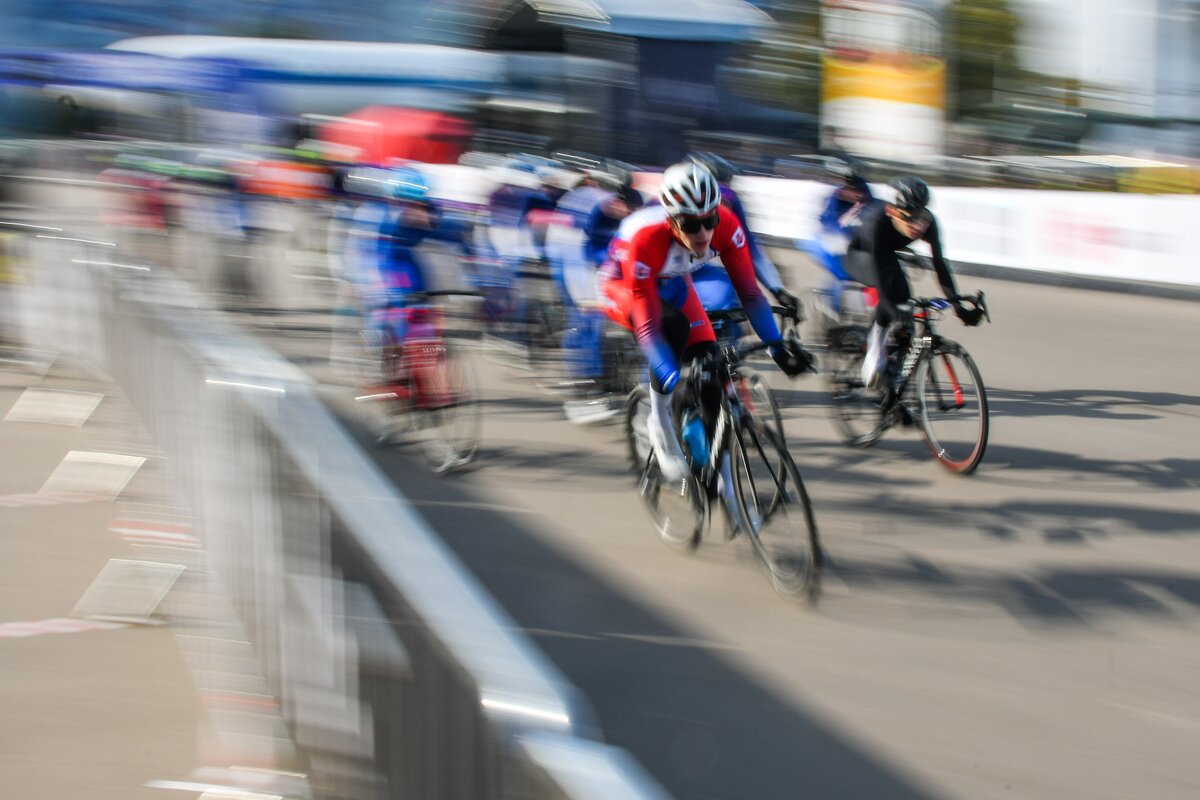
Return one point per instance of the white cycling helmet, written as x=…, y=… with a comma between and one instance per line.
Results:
x=689, y=188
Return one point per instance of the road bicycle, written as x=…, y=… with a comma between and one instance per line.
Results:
x=716, y=420
x=930, y=381
x=420, y=385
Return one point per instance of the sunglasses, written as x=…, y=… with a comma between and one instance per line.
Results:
x=919, y=218
x=694, y=224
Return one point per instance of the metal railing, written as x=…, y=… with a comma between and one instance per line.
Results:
x=396, y=674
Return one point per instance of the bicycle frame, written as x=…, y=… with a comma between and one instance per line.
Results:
x=921, y=342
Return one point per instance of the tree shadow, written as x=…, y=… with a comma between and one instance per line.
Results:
x=1058, y=522
x=1089, y=403
x=1047, y=595
x=701, y=725
x=1167, y=473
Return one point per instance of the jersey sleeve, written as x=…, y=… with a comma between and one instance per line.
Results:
x=641, y=261
x=933, y=237
x=731, y=243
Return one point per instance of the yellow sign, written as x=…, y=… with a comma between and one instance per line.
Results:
x=919, y=82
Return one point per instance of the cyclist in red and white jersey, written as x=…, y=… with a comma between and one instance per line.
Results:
x=656, y=250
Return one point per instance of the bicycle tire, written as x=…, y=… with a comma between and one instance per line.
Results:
x=678, y=510
x=762, y=402
x=374, y=372
x=637, y=440
x=953, y=413
x=854, y=409
x=776, y=511
x=681, y=513
x=445, y=409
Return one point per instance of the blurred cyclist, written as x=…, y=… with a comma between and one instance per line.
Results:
x=711, y=282
x=872, y=260
x=657, y=250
x=839, y=218
x=383, y=239
x=585, y=223
x=526, y=191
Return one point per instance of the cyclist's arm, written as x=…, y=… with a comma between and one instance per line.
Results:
x=831, y=216
x=764, y=267
x=945, y=278
x=730, y=241
x=641, y=260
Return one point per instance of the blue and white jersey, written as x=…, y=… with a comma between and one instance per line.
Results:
x=578, y=239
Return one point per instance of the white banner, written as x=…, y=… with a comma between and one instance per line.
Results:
x=1121, y=236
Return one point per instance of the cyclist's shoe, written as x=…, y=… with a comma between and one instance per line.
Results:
x=671, y=460
x=589, y=410
x=873, y=373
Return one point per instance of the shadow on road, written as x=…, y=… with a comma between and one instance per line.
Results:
x=701, y=726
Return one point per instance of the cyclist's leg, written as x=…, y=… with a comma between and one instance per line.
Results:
x=893, y=288
x=677, y=331
x=581, y=344
x=689, y=334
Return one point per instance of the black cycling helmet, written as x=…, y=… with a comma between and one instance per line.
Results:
x=721, y=169
x=912, y=193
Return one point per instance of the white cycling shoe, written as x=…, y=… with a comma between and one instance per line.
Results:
x=671, y=461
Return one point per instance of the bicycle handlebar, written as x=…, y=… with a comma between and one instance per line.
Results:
x=976, y=301
x=736, y=315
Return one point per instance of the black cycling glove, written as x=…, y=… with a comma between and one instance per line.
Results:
x=969, y=316
x=792, y=358
x=788, y=301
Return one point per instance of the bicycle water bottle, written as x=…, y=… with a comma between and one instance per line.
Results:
x=695, y=437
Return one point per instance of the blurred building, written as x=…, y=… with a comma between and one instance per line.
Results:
x=622, y=77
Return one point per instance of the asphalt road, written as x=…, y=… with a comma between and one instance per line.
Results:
x=1029, y=631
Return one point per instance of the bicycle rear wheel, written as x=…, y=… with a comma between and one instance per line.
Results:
x=952, y=407
x=854, y=408
x=678, y=510
x=382, y=392
x=445, y=407
x=776, y=510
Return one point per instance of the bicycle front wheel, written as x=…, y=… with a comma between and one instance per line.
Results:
x=445, y=407
x=776, y=512
x=678, y=510
x=952, y=406
x=761, y=402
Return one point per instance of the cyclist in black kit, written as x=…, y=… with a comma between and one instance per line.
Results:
x=872, y=260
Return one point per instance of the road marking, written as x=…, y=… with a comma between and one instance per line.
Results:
x=136, y=531
x=43, y=627
x=128, y=591
x=104, y=475
x=54, y=407
x=45, y=499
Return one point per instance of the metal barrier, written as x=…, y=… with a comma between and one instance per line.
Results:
x=396, y=674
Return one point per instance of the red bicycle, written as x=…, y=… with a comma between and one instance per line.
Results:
x=421, y=385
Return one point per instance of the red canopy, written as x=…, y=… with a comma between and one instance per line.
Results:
x=383, y=132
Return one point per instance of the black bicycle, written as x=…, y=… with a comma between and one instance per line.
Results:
x=930, y=380
x=716, y=420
